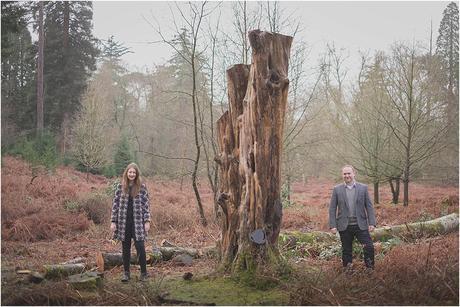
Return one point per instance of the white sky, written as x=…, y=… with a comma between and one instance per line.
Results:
x=353, y=25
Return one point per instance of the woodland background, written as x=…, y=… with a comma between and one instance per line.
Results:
x=400, y=115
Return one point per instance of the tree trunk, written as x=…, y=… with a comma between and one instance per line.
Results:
x=229, y=189
x=250, y=235
x=395, y=189
x=64, y=134
x=66, y=26
x=406, y=192
x=203, y=220
x=40, y=66
x=376, y=193
x=61, y=270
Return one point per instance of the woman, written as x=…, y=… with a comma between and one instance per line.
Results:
x=131, y=218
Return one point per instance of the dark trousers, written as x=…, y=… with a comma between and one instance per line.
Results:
x=364, y=238
x=140, y=248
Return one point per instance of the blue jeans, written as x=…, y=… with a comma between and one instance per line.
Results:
x=364, y=238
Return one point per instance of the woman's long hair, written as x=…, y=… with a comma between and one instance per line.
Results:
x=136, y=185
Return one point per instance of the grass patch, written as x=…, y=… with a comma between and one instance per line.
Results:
x=222, y=291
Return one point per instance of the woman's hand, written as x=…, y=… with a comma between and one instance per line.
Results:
x=147, y=226
x=113, y=226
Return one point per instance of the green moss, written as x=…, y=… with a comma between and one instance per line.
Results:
x=222, y=291
x=251, y=271
x=86, y=281
x=308, y=237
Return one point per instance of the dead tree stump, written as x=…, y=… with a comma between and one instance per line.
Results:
x=230, y=184
x=250, y=138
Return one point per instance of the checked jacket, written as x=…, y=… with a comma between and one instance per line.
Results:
x=141, y=212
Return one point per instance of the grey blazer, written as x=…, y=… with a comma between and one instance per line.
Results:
x=338, y=208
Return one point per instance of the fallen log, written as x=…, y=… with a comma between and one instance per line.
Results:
x=62, y=270
x=105, y=261
x=169, y=252
x=438, y=226
x=85, y=281
x=75, y=260
x=441, y=225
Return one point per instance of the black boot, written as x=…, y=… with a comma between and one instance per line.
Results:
x=143, y=276
x=125, y=277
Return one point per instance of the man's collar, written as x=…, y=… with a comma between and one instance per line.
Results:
x=351, y=186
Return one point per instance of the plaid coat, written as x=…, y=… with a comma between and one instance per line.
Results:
x=141, y=212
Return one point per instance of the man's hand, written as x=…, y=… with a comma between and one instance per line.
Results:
x=113, y=226
x=371, y=228
x=334, y=230
x=147, y=226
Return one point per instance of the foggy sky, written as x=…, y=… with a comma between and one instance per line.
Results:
x=355, y=26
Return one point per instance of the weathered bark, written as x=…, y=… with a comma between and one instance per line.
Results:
x=229, y=189
x=258, y=152
x=61, y=270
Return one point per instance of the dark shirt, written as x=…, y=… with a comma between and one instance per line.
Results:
x=130, y=214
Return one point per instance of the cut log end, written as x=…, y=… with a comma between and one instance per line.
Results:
x=100, y=262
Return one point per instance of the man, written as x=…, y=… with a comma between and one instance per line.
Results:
x=351, y=213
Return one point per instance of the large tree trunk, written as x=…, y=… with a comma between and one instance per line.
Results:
x=251, y=202
x=229, y=189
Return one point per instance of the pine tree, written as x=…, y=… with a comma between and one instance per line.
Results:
x=18, y=70
x=123, y=156
x=447, y=45
x=447, y=53
x=112, y=50
x=70, y=57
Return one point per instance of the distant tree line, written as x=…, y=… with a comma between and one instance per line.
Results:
x=396, y=122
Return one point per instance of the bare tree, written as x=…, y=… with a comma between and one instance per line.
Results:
x=414, y=113
x=188, y=49
x=368, y=136
x=90, y=140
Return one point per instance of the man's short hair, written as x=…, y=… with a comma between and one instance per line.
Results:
x=350, y=166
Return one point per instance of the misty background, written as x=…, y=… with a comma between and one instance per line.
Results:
x=374, y=84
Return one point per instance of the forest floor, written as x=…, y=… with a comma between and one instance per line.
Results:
x=58, y=216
